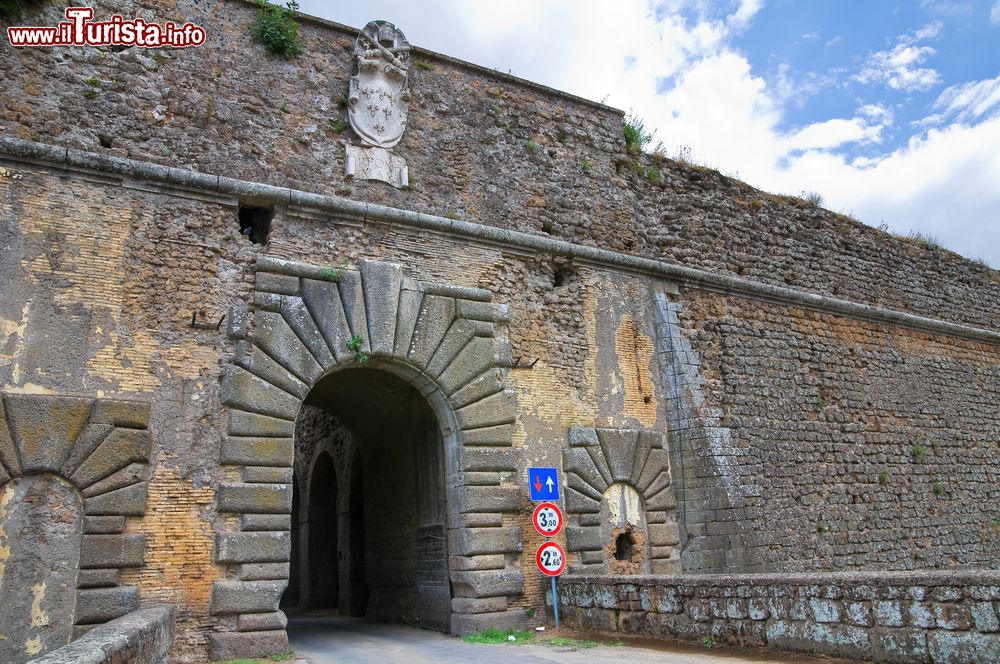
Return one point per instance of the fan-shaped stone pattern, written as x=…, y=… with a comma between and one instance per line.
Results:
x=594, y=460
x=305, y=317
x=101, y=449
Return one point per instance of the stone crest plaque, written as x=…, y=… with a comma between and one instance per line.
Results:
x=379, y=98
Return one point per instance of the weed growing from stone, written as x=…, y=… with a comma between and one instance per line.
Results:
x=339, y=126
x=586, y=166
x=919, y=452
x=813, y=197
x=938, y=488
x=636, y=134
x=420, y=63
x=883, y=478
x=708, y=642
x=277, y=29
x=93, y=81
x=354, y=345
x=531, y=146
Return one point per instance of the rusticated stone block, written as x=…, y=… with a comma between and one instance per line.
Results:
x=243, y=423
x=492, y=411
x=256, y=451
x=44, y=428
x=488, y=459
x=381, y=282
x=119, y=449
x=502, y=435
x=255, y=498
x=267, y=475
x=130, y=414
x=98, y=605
x=488, y=583
x=103, y=524
x=582, y=436
x=583, y=539
x=112, y=551
x=474, y=541
x=241, y=389
x=129, y=501
x=98, y=578
x=473, y=499
x=263, y=572
x=467, y=623
x=246, y=596
x=261, y=622
x=240, y=645
x=256, y=547
x=265, y=521
x=282, y=284
x=483, y=605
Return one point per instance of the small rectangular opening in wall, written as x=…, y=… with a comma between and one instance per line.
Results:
x=255, y=222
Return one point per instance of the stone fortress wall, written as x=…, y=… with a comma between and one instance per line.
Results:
x=814, y=394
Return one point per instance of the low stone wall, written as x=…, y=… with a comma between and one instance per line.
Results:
x=141, y=637
x=929, y=617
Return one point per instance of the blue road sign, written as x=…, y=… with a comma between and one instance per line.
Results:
x=543, y=483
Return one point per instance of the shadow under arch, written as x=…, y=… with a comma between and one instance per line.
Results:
x=376, y=544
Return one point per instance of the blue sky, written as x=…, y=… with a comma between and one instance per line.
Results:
x=889, y=110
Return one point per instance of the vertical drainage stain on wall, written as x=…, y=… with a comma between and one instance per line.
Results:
x=634, y=351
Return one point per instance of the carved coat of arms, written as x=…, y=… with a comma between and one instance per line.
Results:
x=379, y=98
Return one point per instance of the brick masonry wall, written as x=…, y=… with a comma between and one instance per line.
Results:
x=229, y=107
x=837, y=444
x=935, y=617
x=792, y=434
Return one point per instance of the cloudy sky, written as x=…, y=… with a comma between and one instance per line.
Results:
x=890, y=110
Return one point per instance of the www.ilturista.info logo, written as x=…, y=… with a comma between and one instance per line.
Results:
x=79, y=30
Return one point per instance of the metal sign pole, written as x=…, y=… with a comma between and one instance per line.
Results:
x=555, y=601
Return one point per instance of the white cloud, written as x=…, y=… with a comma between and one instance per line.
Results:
x=969, y=101
x=877, y=113
x=741, y=19
x=899, y=68
x=831, y=134
x=995, y=14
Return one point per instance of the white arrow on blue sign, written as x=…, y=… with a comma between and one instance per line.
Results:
x=543, y=483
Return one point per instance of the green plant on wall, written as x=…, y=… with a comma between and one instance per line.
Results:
x=354, y=345
x=636, y=134
x=277, y=29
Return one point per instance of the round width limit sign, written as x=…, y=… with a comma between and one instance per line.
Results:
x=550, y=559
x=547, y=519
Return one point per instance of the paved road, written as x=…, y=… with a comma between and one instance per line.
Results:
x=337, y=640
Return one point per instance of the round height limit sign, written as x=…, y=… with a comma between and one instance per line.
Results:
x=550, y=559
x=547, y=519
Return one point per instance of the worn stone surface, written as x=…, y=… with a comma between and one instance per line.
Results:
x=41, y=519
x=145, y=635
x=806, y=613
x=241, y=645
x=782, y=438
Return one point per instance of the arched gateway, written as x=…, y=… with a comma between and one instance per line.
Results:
x=357, y=344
